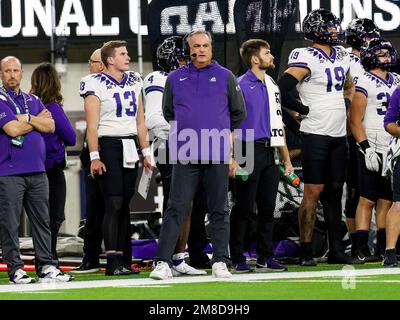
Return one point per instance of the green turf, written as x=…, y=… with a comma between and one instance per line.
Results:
x=260, y=290
x=290, y=289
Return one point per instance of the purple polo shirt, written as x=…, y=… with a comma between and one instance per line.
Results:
x=393, y=109
x=207, y=104
x=64, y=135
x=255, y=96
x=31, y=156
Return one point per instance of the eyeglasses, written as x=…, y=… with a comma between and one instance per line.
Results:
x=93, y=61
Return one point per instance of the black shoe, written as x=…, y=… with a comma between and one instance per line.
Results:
x=86, y=267
x=390, y=259
x=379, y=255
x=364, y=255
x=341, y=258
x=119, y=271
x=129, y=268
x=200, y=264
x=307, y=262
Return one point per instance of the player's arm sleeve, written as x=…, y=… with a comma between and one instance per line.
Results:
x=360, y=85
x=88, y=87
x=168, y=103
x=287, y=82
x=153, y=96
x=237, y=107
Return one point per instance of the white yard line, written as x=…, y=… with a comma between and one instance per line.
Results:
x=248, y=277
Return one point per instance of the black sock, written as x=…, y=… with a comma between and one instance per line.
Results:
x=354, y=239
x=381, y=240
x=362, y=239
x=306, y=250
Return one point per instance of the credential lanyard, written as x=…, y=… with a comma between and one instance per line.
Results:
x=16, y=106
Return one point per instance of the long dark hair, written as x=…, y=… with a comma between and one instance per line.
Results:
x=46, y=84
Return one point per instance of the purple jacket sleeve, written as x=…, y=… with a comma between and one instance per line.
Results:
x=393, y=109
x=63, y=127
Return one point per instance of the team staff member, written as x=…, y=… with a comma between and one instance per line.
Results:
x=46, y=85
x=320, y=73
x=170, y=56
x=23, y=182
x=264, y=116
x=391, y=124
x=201, y=97
x=114, y=116
x=94, y=199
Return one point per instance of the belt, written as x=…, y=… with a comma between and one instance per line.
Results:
x=265, y=142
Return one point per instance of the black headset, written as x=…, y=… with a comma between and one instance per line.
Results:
x=185, y=44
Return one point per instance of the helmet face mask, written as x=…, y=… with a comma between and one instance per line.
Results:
x=360, y=31
x=322, y=26
x=170, y=53
x=373, y=50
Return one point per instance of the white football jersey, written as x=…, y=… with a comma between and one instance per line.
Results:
x=322, y=91
x=153, y=89
x=118, y=101
x=378, y=92
x=355, y=65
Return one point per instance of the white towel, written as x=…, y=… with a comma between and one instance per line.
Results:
x=275, y=111
x=392, y=155
x=130, y=153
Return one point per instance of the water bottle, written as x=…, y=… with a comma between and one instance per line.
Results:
x=291, y=178
x=241, y=174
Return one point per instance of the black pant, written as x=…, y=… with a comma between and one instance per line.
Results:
x=260, y=189
x=94, y=219
x=197, y=236
x=185, y=180
x=57, y=196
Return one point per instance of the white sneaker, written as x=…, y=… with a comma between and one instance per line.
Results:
x=53, y=274
x=21, y=277
x=220, y=270
x=162, y=271
x=184, y=269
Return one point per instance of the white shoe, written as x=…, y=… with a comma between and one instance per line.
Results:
x=184, y=269
x=52, y=274
x=162, y=271
x=220, y=270
x=21, y=277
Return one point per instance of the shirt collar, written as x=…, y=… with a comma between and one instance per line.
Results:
x=12, y=93
x=252, y=77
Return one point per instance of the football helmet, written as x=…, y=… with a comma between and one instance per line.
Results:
x=372, y=51
x=316, y=25
x=169, y=52
x=359, y=30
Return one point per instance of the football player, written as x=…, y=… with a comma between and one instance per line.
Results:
x=114, y=116
x=321, y=74
x=358, y=33
x=374, y=88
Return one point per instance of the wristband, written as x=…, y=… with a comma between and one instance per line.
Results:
x=94, y=155
x=28, y=118
x=146, y=152
x=364, y=145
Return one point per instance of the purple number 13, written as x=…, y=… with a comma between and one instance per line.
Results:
x=128, y=95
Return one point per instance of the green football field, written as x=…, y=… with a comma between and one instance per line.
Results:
x=327, y=282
